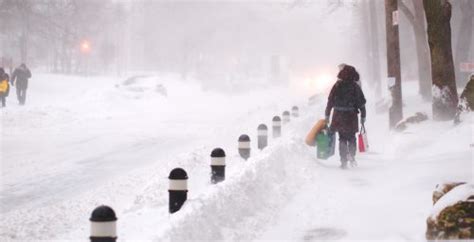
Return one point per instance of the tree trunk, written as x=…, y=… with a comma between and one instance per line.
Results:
x=422, y=51
x=23, y=47
x=464, y=42
x=445, y=97
x=24, y=39
x=375, y=58
x=417, y=21
x=424, y=68
x=366, y=35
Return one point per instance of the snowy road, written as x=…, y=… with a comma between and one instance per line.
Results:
x=73, y=147
x=114, y=146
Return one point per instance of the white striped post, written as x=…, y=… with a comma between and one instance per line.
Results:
x=244, y=146
x=295, y=112
x=217, y=165
x=286, y=117
x=178, y=189
x=262, y=136
x=276, y=126
x=103, y=225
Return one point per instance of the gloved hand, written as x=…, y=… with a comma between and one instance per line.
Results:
x=362, y=121
x=327, y=119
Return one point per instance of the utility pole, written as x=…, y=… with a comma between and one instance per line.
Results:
x=393, y=61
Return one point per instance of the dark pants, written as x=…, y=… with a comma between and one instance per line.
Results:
x=347, y=145
x=21, y=95
x=3, y=100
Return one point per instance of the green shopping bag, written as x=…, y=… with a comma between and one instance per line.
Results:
x=326, y=143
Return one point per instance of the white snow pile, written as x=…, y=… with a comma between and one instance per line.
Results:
x=246, y=201
x=461, y=193
x=141, y=84
x=441, y=94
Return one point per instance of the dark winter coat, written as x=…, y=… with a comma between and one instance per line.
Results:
x=346, y=98
x=20, y=77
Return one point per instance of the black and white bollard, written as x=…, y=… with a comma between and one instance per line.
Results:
x=262, y=136
x=178, y=189
x=217, y=165
x=276, y=126
x=103, y=225
x=286, y=117
x=295, y=112
x=244, y=146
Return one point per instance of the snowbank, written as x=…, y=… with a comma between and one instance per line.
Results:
x=452, y=216
x=245, y=201
x=461, y=193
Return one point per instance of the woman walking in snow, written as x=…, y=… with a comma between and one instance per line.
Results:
x=347, y=99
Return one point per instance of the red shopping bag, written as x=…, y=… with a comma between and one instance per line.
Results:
x=363, y=142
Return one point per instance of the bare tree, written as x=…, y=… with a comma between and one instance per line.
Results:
x=375, y=51
x=464, y=41
x=366, y=35
x=445, y=97
x=417, y=20
x=49, y=31
x=16, y=15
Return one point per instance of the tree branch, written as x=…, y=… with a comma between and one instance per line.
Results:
x=407, y=12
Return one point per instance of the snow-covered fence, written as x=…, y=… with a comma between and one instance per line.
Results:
x=103, y=225
x=244, y=146
x=276, y=126
x=286, y=117
x=178, y=189
x=217, y=165
x=262, y=134
x=295, y=111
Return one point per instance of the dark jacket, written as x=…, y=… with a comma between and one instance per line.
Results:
x=346, y=98
x=20, y=77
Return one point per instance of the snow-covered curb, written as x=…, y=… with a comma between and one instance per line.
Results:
x=257, y=191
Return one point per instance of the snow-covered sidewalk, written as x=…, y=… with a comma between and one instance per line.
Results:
x=388, y=197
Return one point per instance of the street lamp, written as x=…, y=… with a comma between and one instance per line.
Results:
x=85, y=46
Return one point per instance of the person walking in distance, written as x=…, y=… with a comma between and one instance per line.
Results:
x=4, y=86
x=19, y=79
x=347, y=99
